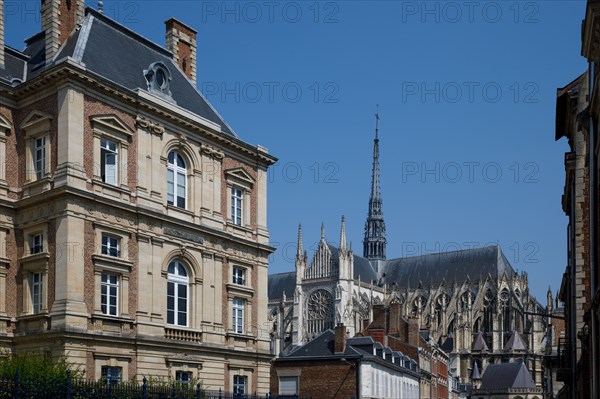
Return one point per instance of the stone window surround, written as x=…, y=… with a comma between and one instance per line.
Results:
x=36, y=125
x=35, y=263
x=240, y=179
x=5, y=131
x=111, y=360
x=111, y=128
x=120, y=267
x=245, y=371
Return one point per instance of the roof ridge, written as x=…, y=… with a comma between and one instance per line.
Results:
x=128, y=32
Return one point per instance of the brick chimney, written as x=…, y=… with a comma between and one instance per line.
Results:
x=395, y=319
x=59, y=19
x=340, y=338
x=413, y=331
x=181, y=41
x=1, y=32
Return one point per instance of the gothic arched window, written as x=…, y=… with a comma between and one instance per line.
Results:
x=319, y=312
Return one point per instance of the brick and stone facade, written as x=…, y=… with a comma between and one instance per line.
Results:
x=113, y=252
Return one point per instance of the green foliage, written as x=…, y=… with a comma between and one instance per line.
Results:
x=36, y=365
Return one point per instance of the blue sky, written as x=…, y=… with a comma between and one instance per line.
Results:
x=467, y=103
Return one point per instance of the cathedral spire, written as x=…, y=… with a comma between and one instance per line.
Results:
x=375, y=241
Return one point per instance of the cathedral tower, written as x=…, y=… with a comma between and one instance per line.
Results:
x=374, y=241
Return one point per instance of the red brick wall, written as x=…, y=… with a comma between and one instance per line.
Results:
x=326, y=379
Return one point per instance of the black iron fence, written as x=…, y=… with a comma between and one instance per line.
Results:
x=16, y=387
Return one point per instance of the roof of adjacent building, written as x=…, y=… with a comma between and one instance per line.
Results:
x=322, y=347
x=114, y=53
x=281, y=283
x=505, y=376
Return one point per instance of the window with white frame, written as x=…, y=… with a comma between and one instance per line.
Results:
x=111, y=375
x=37, y=289
x=39, y=157
x=176, y=180
x=237, y=198
x=177, y=294
x=240, y=384
x=36, y=243
x=239, y=276
x=183, y=377
x=109, y=162
x=237, y=311
x=110, y=245
x=288, y=385
x=109, y=294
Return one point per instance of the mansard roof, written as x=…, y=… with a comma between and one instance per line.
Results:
x=116, y=54
x=280, y=283
x=506, y=375
x=449, y=266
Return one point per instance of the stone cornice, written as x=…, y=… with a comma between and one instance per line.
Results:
x=590, y=46
x=70, y=69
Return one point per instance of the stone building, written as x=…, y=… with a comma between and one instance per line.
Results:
x=133, y=231
x=455, y=297
x=334, y=366
x=577, y=116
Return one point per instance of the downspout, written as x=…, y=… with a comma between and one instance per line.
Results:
x=592, y=243
x=358, y=390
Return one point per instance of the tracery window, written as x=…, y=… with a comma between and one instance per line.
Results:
x=319, y=312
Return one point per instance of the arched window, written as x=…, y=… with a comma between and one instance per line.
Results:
x=320, y=312
x=177, y=294
x=176, y=180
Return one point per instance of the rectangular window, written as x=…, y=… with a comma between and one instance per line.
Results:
x=239, y=276
x=177, y=304
x=238, y=315
x=36, y=292
x=110, y=246
x=236, y=206
x=109, y=296
x=111, y=375
x=240, y=384
x=183, y=377
x=36, y=243
x=288, y=385
x=39, y=157
x=109, y=162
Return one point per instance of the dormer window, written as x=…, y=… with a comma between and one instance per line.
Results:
x=158, y=77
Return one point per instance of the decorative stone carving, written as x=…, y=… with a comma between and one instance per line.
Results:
x=151, y=126
x=212, y=152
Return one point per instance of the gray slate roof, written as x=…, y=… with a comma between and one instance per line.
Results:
x=117, y=54
x=479, y=343
x=515, y=343
x=453, y=266
x=506, y=375
x=280, y=283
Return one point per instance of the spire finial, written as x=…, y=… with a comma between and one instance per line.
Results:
x=343, y=236
x=300, y=247
x=100, y=6
x=322, y=231
x=377, y=124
